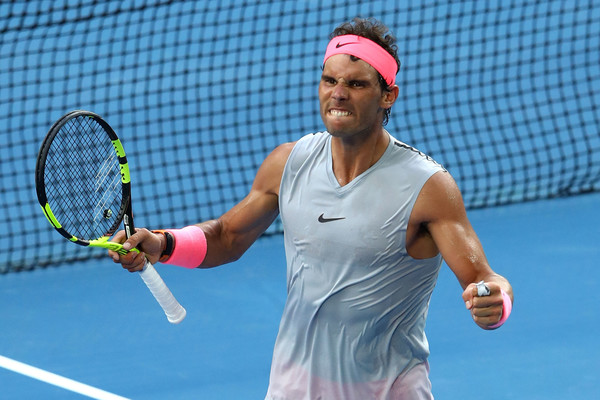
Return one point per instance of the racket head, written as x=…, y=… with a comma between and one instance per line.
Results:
x=82, y=179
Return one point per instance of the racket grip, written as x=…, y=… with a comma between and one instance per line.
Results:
x=174, y=311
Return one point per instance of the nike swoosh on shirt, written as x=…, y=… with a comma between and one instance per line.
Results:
x=323, y=219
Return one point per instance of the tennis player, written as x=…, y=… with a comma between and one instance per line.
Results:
x=367, y=220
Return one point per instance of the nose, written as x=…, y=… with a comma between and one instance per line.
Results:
x=340, y=91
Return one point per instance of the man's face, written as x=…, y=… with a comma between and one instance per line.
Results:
x=350, y=96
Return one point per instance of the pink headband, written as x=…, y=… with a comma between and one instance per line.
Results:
x=366, y=50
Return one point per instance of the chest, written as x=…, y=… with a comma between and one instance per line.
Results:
x=369, y=214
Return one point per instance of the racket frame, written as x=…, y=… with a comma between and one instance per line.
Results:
x=125, y=209
x=174, y=311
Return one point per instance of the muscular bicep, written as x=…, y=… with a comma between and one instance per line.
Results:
x=232, y=234
x=440, y=210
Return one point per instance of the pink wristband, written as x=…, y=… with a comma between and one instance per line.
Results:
x=189, y=248
x=506, y=309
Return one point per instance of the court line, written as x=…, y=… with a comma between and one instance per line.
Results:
x=57, y=380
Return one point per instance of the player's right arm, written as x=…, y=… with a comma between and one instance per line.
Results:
x=230, y=235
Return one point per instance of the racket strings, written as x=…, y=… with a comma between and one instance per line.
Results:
x=83, y=180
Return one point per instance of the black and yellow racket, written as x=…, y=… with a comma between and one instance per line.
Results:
x=83, y=185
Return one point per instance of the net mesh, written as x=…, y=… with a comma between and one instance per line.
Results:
x=505, y=94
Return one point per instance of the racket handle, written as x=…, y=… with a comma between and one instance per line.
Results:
x=174, y=311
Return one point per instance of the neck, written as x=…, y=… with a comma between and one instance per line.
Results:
x=352, y=156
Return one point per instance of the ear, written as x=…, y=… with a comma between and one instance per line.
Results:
x=389, y=97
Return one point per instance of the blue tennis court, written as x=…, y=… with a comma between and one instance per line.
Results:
x=98, y=325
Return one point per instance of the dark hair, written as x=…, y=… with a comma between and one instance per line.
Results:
x=376, y=31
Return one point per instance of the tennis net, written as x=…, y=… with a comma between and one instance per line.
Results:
x=505, y=94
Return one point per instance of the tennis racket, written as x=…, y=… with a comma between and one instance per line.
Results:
x=83, y=185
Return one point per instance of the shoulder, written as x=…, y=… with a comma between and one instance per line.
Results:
x=311, y=141
x=268, y=177
x=305, y=147
x=280, y=154
x=414, y=156
x=440, y=198
x=275, y=162
x=283, y=151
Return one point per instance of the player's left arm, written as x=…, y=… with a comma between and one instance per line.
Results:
x=445, y=218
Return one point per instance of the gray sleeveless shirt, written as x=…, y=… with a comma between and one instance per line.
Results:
x=354, y=318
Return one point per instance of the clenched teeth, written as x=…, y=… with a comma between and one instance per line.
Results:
x=338, y=113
